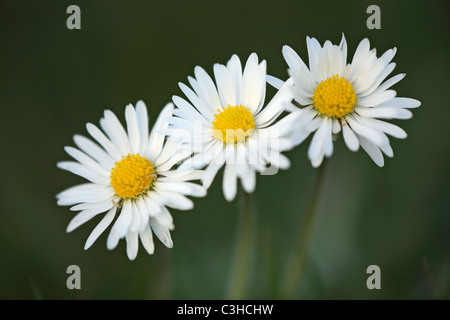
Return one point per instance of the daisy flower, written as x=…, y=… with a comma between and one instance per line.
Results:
x=335, y=96
x=130, y=175
x=226, y=124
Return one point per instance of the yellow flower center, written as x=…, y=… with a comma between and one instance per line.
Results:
x=233, y=124
x=334, y=97
x=132, y=175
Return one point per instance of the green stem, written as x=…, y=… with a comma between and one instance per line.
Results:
x=240, y=272
x=296, y=262
x=161, y=286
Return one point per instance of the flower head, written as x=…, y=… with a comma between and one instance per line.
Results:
x=335, y=96
x=227, y=124
x=130, y=175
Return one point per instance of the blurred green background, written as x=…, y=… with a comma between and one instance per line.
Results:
x=54, y=80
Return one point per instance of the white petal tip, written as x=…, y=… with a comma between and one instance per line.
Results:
x=229, y=198
x=140, y=103
x=132, y=257
x=316, y=163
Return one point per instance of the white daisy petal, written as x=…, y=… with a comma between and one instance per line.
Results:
x=133, y=129
x=235, y=67
x=229, y=182
x=135, y=223
x=103, y=141
x=343, y=47
x=328, y=138
x=306, y=81
x=293, y=59
x=165, y=218
x=336, y=127
x=253, y=84
x=347, y=72
x=296, y=137
x=386, y=85
x=185, y=188
x=176, y=158
x=277, y=160
x=112, y=241
x=142, y=121
x=146, y=237
x=84, y=216
x=372, y=150
x=323, y=65
x=188, y=111
x=122, y=224
x=161, y=232
x=377, y=99
x=100, y=206
x=181, y=175
x=206, y=111
x=262, y=72
x=83, y=189
x=388, y=128
x=104, y=196
x=156, y=139
x=153, y=207
x=170, y=150
x=210, y=173
x=207, y=89
x=240, y=159
x=385, y=113
x=224, y=85
x=100, y=228
x=315, y=150
x=369, y=133
x=132, y=245
x=274, y=81
x=350, y=138
x=400, y=103
x=180, y=122
x=375, y=87
x=276, y=106
x=143, y=213
x=301, y=90
x=314, y=124
x=314, y=55
x=361, y=52
x=387, y=150
x=175, y=200
x=82, y=171
x=90, y=205
x=115, y=131
x=388, y=55
x=86, y=161
x=93, y=151
x=335, y=61
x=248, y=180
x=317, y=161
x=254, y=153
x=366, y=79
